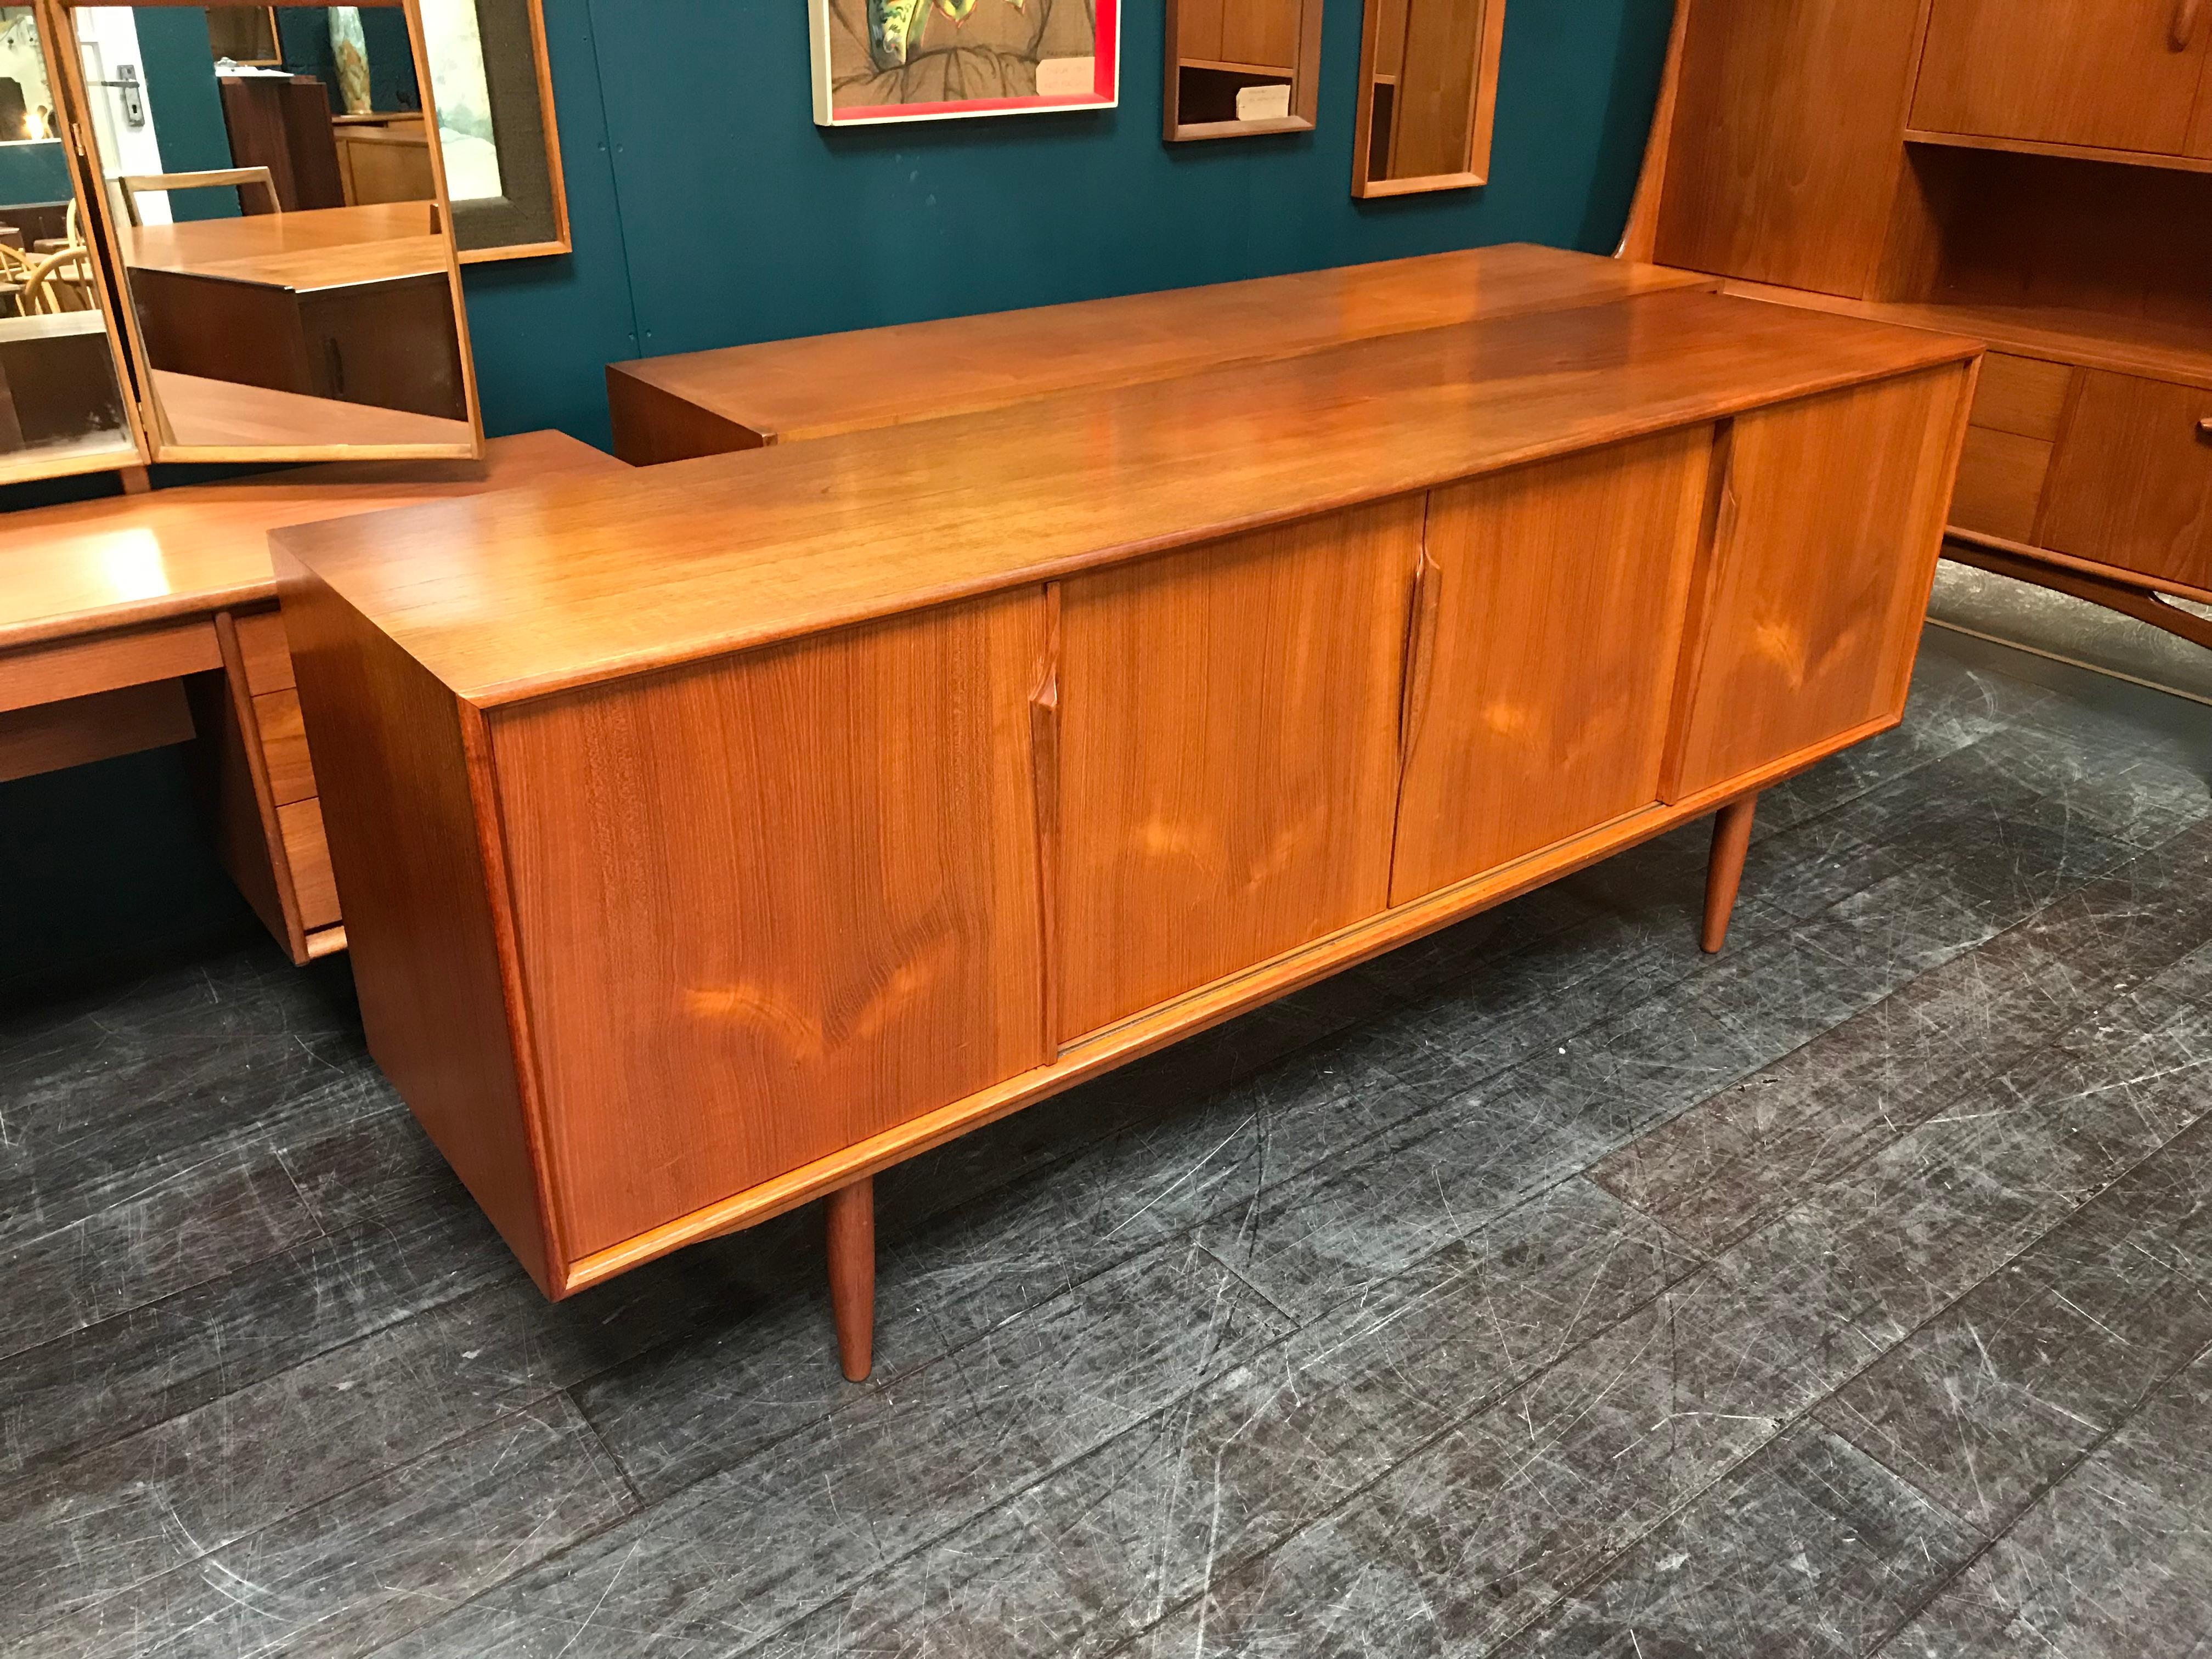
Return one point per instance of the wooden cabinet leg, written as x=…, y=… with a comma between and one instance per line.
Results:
x=852, y=1216
x=1731, y=840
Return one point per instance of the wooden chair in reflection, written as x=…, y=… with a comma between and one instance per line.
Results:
x=56, y=283
x=134, y=184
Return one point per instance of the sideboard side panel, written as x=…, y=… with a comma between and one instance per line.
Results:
x=1539, y=706
x=392, y=774
x=1831, y=521
x=772, y=904
x=1229, y=755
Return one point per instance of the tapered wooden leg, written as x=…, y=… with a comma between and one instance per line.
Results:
x=1731, y=840
x=851, y=1215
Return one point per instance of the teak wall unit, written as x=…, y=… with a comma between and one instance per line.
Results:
x=2034, y=173
x=685, y=891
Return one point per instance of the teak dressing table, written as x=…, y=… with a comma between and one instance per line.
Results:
x=917, y=775
x=138, y=621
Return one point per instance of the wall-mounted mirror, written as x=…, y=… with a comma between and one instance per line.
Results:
x=279, y=232
x=1237, y=68
x=1428, y=90
x=491, y=85
x=62, y=405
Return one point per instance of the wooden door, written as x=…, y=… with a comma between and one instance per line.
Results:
x=1228, y=739
x=2110, y=73
x=2131, y=485
x=1831, y=515
x=1548, y=637
x=771, y=905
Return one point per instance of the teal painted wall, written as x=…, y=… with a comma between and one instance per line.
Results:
x=179, y=70
x=33, y=173
x=707, y=210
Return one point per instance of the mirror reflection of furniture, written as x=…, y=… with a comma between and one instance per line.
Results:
x=243, y=34
x=1237, y=68
x=492, y=87
x=1428, y=93
x=384, y=158
x=134, y=184
x=63, y=409
x=328, y=328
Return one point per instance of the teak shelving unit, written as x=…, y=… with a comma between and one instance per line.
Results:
x=2035, y=172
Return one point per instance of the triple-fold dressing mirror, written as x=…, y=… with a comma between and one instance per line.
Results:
x=63, y=407
x=278, y=227
x=1428, y=89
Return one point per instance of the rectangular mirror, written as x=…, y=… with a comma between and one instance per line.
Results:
x=1428, y=91
x=1238, y=68
x=279, y=231
x=62, y=405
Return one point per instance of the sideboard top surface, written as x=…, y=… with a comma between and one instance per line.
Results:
x=572, y=581
x=835, y=383
x=121, y=561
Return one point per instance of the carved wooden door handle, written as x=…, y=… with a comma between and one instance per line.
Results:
x=2183, y=29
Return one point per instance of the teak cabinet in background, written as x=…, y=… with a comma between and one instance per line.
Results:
x=874, y=814
x=2037, y=174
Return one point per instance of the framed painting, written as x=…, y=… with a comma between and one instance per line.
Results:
x=936, y=60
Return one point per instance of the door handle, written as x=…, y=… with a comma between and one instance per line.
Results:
x=2183, y=29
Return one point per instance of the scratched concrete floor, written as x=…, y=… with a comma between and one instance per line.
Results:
x=1544, y=1288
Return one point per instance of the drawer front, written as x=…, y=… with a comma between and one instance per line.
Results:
x=2023, y=396
x=268, y=655
x=2000, y=478
x=309, y=856
x=284, y=746
x=2131, y=485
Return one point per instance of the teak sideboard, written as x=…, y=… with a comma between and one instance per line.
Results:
x=713, y=837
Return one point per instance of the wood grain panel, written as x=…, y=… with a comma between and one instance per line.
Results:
x=1832, y=516
x=1541, y=700
x=308, y=852
x=267, y=653
x=2131, y=485
x=1261, y=32
x=2104, y=73
x=284, y=746
x=2000, y=488
x=783, y=390
x=50, y=736
x=2023, y=396
x=1228, y=754
x=105, y=662
x=1786, y=153
x=1432, y=129
x=806, y=877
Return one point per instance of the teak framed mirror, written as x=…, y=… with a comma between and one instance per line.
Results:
x=290, y=291
x=1428, y=95
x=1238, y=68
x=64, y=403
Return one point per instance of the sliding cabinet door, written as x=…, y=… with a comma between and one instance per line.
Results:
x=1546, y=635
x=1831, y=519
x=1227, y=756
x=773, y=904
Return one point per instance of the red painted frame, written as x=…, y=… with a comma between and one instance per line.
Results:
x=1106, y=87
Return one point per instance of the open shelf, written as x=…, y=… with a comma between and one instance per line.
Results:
x=2133, y=158
x=2126, y=345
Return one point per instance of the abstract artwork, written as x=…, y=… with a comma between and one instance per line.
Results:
x=926, y=60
